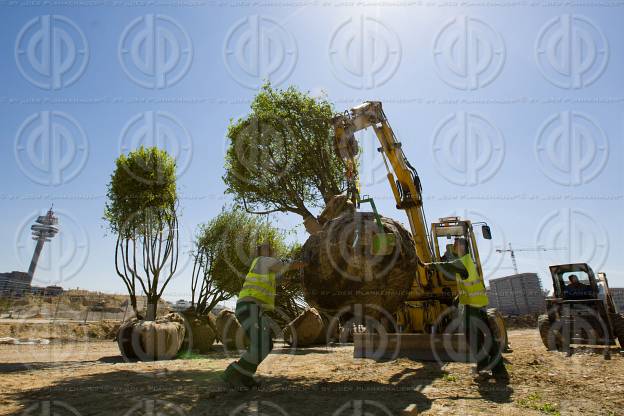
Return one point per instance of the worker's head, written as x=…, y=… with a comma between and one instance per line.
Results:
x=460, y=246
x=573, y=278
x=264, y=250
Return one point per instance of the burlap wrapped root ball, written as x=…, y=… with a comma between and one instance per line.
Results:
x=152, y=340
x=229, y=330
x=202, y=331
x=341, y=271
x=306, y=329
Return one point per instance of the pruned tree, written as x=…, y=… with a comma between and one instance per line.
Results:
x=224, y=250
x=281, y=156
x=142, y=211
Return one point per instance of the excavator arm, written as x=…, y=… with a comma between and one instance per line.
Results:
x=402, y=176
x=423, y=317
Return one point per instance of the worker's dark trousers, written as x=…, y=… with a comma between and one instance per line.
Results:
x=258, y=330
x=483, y=348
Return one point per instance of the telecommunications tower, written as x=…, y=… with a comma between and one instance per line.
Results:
x=44, y=229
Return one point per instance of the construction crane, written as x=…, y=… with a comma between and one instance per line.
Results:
x=512, y=251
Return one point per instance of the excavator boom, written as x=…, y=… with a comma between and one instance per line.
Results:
x=428, y=308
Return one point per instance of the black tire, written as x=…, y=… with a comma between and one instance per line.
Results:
x=550, y=337
x=618, y=328
x=497, y=326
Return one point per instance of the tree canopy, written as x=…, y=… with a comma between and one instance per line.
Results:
x=281, y=156
x=144, y=180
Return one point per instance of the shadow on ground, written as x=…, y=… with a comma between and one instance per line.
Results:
x=201, y=392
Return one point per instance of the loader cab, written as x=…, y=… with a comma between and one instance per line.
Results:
x=581, y=310
x=574, y=282
x=446, y=231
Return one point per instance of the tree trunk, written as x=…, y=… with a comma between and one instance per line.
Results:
x=152, y=307
x=341, y=270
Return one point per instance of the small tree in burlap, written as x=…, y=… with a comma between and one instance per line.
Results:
x=142, y=211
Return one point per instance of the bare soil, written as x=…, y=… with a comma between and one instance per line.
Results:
x=90, y=378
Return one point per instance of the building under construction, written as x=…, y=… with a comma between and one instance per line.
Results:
x=518, y=294
x=618, y=298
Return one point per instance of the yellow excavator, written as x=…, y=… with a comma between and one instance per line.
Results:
x=427, y=320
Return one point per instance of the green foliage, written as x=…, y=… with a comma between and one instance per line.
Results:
x=230, y=242
x=449, y=377
x=141, y=210
x=534, y=401
x=224, y=250
x=281, y=156
x=144, y=181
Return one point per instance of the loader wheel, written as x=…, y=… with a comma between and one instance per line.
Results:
x=550, y=337
x=497, y=325
x=618, y=328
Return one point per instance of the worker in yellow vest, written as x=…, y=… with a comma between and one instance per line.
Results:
x=482, y=346
x=257, y=297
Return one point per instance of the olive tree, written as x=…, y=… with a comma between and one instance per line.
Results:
x=142, y=211
x=281, y=155
x=224, y=250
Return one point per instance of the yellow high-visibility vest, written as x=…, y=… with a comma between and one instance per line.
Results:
x=472, y=289
x=260, y=287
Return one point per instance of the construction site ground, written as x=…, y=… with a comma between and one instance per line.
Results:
x=90, y=378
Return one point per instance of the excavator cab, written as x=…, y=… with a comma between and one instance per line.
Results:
x=447, y=230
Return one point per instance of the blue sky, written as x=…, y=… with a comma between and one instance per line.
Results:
x=529, y=95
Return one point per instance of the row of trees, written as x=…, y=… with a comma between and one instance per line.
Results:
x=280, y=158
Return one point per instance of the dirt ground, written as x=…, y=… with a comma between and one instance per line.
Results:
x=90, y=378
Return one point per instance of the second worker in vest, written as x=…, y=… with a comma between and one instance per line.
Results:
x=257, y=297
x=483, y=347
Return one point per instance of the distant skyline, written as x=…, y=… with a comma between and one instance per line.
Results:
x=511, y=114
